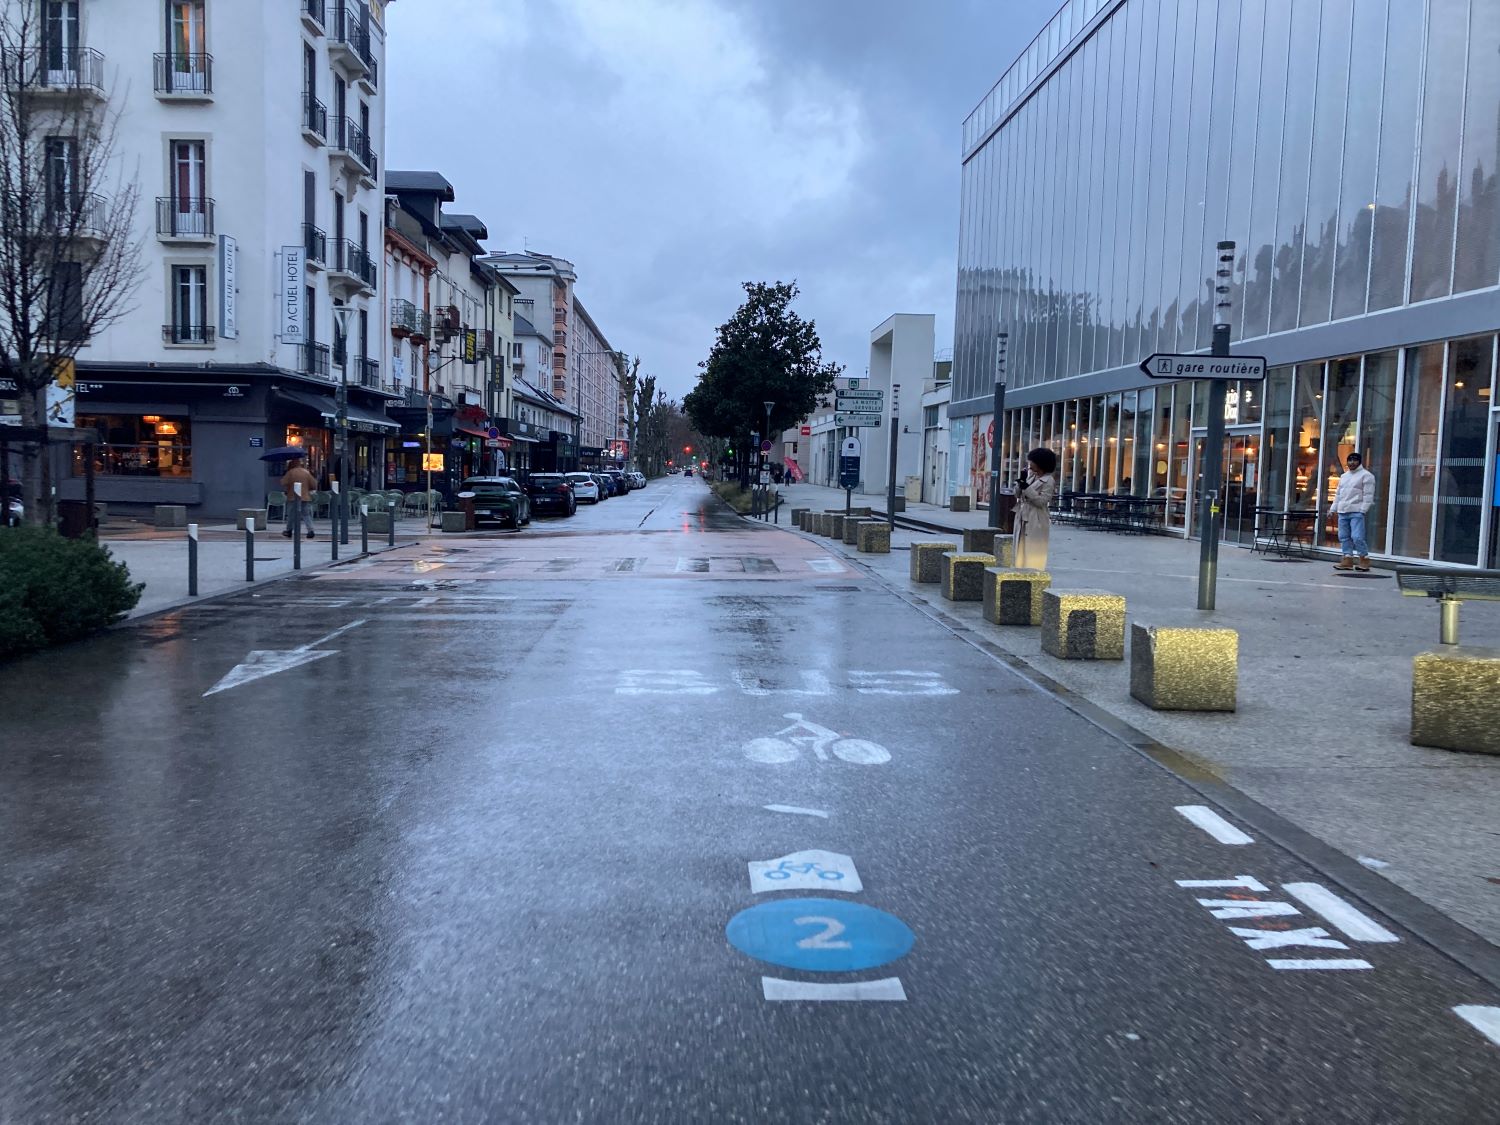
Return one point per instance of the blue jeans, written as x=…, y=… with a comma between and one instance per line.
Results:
x=299, y=509
x=1352, y=534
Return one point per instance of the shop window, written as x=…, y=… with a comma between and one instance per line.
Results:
x=138, y=445
x=1466, y=414
x=1416, y=465
x=1307, y=436
x=1278, y=433
x=1377, y=414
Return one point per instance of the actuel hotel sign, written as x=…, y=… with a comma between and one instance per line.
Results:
x=293, y=299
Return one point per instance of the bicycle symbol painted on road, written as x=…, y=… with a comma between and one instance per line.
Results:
x=785, y=870
x=787, y=745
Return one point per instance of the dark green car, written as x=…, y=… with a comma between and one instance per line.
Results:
x=498, y=500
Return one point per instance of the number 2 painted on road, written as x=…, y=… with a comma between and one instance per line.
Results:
x=832, y=927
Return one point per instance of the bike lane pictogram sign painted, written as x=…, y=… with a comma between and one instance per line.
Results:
x=814, y=870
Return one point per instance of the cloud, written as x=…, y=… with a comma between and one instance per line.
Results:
x=674, y=148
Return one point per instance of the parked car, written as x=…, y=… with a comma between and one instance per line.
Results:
x=638, y=479
x=617, y=478
x=499, y=500
x=687, y=472
x=606, y=486
x=585, y=487
x=551, y=492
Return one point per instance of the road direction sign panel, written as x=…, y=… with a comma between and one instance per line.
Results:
x=863, y=418
x=875, y=395
x=1164, y=365
x=821, y=935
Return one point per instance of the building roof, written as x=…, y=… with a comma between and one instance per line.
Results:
x=434, y=182
x=469, y=224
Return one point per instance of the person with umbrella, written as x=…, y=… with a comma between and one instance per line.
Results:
x=298, y=484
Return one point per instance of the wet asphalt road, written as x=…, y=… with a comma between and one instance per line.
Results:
x=476, y=864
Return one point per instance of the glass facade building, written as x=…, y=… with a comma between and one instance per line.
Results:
x=1350, y=150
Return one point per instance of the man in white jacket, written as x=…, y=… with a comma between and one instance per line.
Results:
x=1354, y=497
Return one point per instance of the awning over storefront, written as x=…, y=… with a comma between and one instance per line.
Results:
x=522, y=439
x=472, y=431
x=360, y=418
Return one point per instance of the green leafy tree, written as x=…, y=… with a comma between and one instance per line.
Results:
x=764, y=353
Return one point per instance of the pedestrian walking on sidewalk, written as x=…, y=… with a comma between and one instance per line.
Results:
x=299, y=485
x=1034, y=493
x=1354, y=497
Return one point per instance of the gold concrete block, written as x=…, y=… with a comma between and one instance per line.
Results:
x=963, y=575
x=1185, y=668
x=851, y=529
x=1455, y=699
x=874, y=537
x=927, y=560
x=1014, y=597
x=1083, y=624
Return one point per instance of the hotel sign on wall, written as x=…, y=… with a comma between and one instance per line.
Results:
x=293, y=318
x=229, y=264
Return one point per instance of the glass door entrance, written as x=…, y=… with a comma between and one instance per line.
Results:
x=1239, y=494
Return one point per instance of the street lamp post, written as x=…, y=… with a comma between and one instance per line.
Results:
x=341, y=314
x=765, y=457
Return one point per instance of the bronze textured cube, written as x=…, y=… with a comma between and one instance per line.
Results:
x=1455, y=699
x=927, y=560
x=963, y=576
x=797, y=514
x=1014, y=597
x=835, y=525
x=874, y=537
x=958, y=504
x=851, y=529
x=1184, y=668
x=1083, y=624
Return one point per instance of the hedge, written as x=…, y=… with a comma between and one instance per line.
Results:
x=54, y=590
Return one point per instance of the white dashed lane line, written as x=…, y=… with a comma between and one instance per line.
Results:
x=1483, y=1018
x=1214, y=824
x=1355, y=924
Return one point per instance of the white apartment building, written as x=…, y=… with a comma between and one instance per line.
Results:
x=229, y=110
x=585, y=372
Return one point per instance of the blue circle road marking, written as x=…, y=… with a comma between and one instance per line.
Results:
x=819, y=934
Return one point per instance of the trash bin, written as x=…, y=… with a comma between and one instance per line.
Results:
x=1006, y=502
x=74, y=519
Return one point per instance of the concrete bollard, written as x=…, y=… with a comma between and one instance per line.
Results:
x=1184, y=668
x=1014, y=597
x=1083, y=625
x=980, y=540
x=874, y=537
x=963, y=575
x=797, y=514
x=192, y=530
x=927, y=560
x=1455, y=704
x=170, y=515
x=851, y=530
x=834, y=525
x=958, y=504
x=380, y=522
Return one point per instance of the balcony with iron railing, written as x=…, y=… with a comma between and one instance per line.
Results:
x=314, y=245
x=350, y=265
x=349, y=144
x=422, y=328
x=194, y=335
x=188, y=77
x=314, y=120
x=47, y=71
x=349, y=41
x=315, y=359
x=73, y=215
x=184, y=220
x=403, y=318
x=314, y=16
x=367, y=371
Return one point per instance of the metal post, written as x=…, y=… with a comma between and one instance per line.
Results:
x=1213, y=445
x=297, y=537
x=333, y=511
x=250, y=552
x=1448, y=620
x=88, y=484
x=390, y=528
x=192, y=560
x=890, y=484
x=364, y=531
x=1000, y=343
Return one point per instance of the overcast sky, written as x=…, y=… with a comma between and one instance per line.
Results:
x=672, y=149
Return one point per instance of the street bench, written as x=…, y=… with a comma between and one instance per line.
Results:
x=1184, y=667
x=1455, y=692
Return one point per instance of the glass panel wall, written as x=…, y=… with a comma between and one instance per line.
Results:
x=1278, y=432
x=1398, y=138
x=1179, y=459
x=1466, y=420
x=1416, y=466
x=1307, y=436
x=1110, y=448
x=1140, y=474
x=1161, y=436
x=1442, y=125
x=1326, y=162
x=1478, y=259
x=1340, y=433
x=1377, y=423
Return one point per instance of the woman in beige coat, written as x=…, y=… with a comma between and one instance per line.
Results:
x=1034, y=494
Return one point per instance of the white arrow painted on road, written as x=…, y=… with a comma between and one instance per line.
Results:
x=267, y=662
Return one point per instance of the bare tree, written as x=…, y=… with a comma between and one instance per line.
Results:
x=69, y=258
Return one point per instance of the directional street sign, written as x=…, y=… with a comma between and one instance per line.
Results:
x=851, y=396
x=863, y=418
x=1166, y=366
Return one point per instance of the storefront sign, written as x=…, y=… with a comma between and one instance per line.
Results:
x=293, y=314
x=233, y=392
x=257, y=443
x=229, y=264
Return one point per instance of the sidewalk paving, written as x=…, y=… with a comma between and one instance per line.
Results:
x=1321, y=734
x=159, y=557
